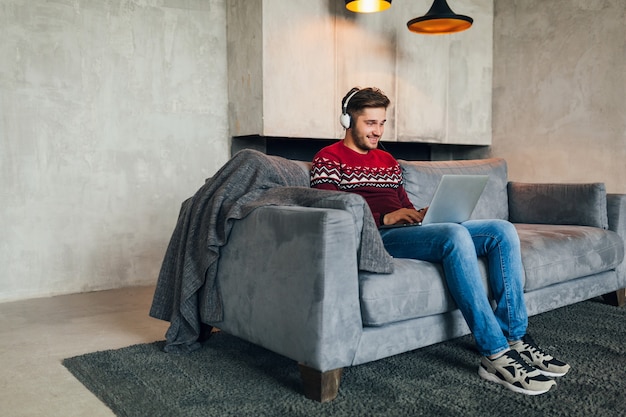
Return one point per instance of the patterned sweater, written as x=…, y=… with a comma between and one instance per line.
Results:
x=376, y=176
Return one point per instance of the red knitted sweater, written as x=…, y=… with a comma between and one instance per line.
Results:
x=376, y=176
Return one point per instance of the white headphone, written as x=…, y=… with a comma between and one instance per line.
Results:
x=344, y=119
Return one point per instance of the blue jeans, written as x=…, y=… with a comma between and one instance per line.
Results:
x=457, y=247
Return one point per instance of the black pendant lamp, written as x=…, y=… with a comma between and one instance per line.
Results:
x=440, y=19
x=367, y=6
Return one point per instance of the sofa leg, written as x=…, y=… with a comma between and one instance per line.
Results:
x=205, y=332
x=320, y=386
x=616, y=298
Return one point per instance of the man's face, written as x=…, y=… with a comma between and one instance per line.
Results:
x=367, y=129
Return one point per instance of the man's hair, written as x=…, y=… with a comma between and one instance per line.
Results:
x=363, y=98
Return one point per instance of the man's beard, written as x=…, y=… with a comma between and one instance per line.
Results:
x=364, y=143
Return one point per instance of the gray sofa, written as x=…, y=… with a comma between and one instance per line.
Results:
x=289, y=276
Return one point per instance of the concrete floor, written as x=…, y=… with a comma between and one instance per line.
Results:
x=36, y=335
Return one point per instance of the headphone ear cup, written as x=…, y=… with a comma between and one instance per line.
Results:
x=344, y=119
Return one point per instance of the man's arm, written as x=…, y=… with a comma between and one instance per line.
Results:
x=325, y=174
x=325, y=186
x=404, y=198
x=402, y=216
x=407, y=214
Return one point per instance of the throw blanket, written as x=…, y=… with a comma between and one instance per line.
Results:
x=187, y=292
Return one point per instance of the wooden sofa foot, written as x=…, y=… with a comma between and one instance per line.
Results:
x=320, y=386
x=616, y=298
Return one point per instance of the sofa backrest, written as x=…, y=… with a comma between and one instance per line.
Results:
x=421, y=179
x=305, y=165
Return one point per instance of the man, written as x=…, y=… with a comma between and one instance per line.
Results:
x=356, y=164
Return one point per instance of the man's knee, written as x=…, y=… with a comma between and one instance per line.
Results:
x=457, y=237
x=507, y=230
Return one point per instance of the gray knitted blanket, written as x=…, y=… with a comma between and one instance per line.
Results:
x=187, y=292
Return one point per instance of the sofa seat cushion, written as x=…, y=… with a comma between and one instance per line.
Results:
x=414, y=289
x=550, y=254
x=558, y=253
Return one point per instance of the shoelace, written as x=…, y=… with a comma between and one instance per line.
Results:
x=518, y=362
x=529, y=344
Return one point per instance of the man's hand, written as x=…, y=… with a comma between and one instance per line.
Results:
x=404, y=215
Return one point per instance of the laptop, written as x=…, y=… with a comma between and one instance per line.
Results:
x=454, y=200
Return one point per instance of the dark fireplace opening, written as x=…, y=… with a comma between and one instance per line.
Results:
x=303, y=149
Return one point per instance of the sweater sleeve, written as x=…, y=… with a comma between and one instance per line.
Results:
x=404, y=198
x=325, y=173
x=325, y=186
x=378, y=218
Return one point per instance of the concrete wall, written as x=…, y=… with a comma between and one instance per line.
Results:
x=111, y=113
x=559, y=99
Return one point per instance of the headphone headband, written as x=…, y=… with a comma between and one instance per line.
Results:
x=345, y=103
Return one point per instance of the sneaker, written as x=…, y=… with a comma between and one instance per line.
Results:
x=546, y=364
x=514, y=373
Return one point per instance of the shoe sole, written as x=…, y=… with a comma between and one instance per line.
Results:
x=492, y=378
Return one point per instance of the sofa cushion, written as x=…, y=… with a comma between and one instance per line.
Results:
x=550, y=254
x=414, y=289
x=305, y=165
x=558, y=253
x=577, y=204
x=421, y=179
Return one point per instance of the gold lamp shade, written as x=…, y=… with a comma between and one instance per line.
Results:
x=367, y=6
x=440, y=19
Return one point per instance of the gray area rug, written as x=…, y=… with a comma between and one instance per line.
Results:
x=230, y=377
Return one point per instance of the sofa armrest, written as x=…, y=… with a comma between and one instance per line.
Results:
x=616, y=209
x=288, y=277
x=575, y=204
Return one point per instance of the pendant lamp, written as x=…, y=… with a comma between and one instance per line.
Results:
x=367, y=6
x=440, y=19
